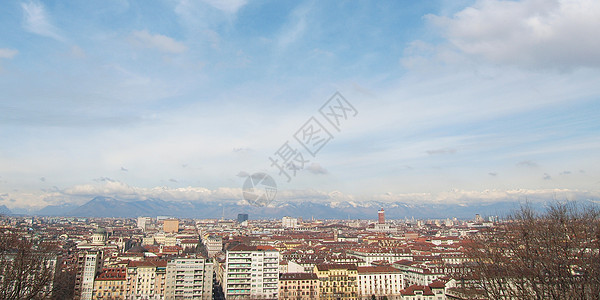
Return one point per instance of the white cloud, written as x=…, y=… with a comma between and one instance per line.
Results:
x=316, y=168
x=161, y=42
x=532, y=33
x=228, y=6
x=8, y=53
x=36, y=21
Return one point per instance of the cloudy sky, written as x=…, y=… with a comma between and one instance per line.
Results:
x=453, y=100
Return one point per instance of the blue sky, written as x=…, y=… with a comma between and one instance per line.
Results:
x=458, y=101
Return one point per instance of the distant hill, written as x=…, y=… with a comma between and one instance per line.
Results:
x=56, y=210
x=111, y=207
x=4, y=210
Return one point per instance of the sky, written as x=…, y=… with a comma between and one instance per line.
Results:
x=446, y=101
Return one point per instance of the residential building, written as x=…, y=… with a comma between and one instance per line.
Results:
x=251, y=272
x=433, y=291
x=289, y=222
x=299, y=286
x=379, y=281
x=214, y=245
x=171, y=226
x=189, y=278
x=146, y=279
x=337, y=281
x=111, y=283
x=88, y=264
x=370, y=255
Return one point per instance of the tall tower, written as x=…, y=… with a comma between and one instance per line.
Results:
x=381, y=215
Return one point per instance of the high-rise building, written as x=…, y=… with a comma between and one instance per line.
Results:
x=242, y=217
x=189, y=278
x=88, y=263
x=143, y=222
x=381, y=216
x=289, y=222
x=251, y=272
x=171, y=226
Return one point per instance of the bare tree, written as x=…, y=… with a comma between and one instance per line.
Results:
x=26, y=271
x=554, y=255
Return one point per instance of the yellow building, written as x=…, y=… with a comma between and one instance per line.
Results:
x=298, y=286
x=111, y=283
x=171, y=225
x=337, y=281
x=146, y=279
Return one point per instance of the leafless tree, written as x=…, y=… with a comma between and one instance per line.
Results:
x=26, y=270
x=554, y=255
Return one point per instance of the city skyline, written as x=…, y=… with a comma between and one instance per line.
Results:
x=457, y=101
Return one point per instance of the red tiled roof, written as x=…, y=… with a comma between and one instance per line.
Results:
x=327, y=267
x=378, y=269
x=298, y=276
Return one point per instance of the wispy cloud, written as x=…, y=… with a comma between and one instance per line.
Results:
x=160, y=42
x=296, y=27
x=527, y=163
x=547, y=176
x=8, y=53
x=228, y=6
x=37, y=21
x=441, y=151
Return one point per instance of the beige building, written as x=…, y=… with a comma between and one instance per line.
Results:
x=171, y=225
x=299, y=286
x=146, y=279
x=337, y=281
x=111, y=283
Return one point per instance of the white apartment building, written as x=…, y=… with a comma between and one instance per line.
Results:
x=289, y=222
x=379, y=281
x=143, y=222
x=251, y=272
x=417, y=273
x=189, y=278
x=88, y=263
x=213, y=244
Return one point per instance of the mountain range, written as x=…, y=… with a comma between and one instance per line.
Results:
x=110, y=207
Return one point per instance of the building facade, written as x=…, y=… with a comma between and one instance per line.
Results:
x=337, y=281
x=379, y=281
x=189, y=278
x=299, y=286
x=251, y=272
x=88, y=264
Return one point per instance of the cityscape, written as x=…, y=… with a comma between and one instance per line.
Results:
x=287, y=258
x=269, y=149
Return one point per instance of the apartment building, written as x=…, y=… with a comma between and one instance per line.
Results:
x=251, y=272
x=299, y=286
x=146, y=279
x=111, y=283
x=379, y=281
x=189, y=278
x=88, y=264
x=337, y=281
